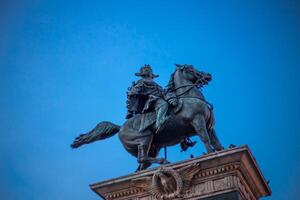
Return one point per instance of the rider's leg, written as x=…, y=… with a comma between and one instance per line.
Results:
x=161, y=108
x=199, y=125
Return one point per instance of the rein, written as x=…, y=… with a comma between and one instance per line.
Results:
x=182, y=86
x=192, y=86
x=211, y=107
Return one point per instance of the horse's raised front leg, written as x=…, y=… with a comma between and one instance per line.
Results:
x=199, y=125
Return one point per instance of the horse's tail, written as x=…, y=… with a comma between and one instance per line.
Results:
x=102, y=131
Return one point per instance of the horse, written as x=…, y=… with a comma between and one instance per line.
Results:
x=195, y=117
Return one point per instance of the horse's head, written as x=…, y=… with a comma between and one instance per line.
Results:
x=192, y=74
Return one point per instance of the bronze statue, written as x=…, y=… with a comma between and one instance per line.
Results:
x=146, y=95
x=143, y=135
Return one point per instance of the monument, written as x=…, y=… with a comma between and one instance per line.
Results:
x=230, y=174
x=158, y=118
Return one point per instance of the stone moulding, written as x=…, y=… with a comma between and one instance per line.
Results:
x=231, y=170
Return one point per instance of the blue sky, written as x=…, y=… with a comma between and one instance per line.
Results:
x=66, y=65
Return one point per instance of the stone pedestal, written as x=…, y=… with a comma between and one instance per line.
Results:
x=231, y=174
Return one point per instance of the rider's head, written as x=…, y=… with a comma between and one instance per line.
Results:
x=146, y=72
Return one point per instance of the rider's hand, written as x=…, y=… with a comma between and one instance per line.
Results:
x=173, y=101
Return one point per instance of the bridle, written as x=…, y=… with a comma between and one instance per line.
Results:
x=183, y=86
x=196, y=84
x=191, y=87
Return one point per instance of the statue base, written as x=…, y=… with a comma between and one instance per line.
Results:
x=230, y=174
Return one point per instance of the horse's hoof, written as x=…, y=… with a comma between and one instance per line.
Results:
x=138, y=169
x=141, y=160
x=162, y=161
x=210, y=151
x=166, y=162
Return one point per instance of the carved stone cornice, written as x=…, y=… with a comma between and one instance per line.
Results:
x=230, y=170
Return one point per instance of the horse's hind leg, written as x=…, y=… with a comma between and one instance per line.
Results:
x=153, y=152
x=200, y=127
x=143, y=152
x=143, y=156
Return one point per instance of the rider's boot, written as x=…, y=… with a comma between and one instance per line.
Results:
x=161, y=116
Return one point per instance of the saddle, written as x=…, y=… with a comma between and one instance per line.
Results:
x=149, y=118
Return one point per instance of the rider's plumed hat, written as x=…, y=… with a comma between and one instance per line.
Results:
x=146, y=71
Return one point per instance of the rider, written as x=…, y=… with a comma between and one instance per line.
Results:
x=146, y=95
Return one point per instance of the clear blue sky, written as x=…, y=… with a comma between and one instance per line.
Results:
x=66, y=65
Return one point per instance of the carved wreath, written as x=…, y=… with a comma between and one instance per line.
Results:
x=167, y=183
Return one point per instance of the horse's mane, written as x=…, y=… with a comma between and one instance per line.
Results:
x=171, y=84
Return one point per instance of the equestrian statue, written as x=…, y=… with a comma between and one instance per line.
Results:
x=158, y=117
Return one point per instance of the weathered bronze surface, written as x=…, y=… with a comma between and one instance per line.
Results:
x=159, y=118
